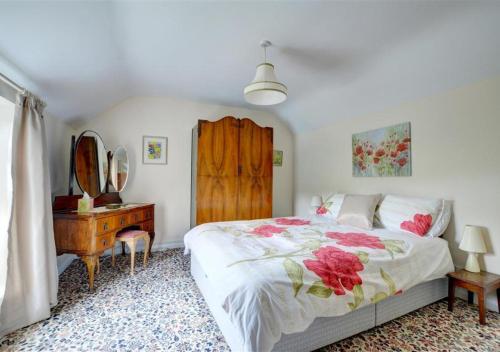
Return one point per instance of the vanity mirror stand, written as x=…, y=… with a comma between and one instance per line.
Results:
x=90, y=234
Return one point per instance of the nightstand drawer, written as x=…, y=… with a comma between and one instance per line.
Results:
x=105, y=224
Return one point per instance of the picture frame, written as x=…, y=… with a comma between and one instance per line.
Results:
x=277, y=158
x=154, y=150
x=383, y=152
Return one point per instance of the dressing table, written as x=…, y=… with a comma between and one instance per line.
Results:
x=88, y=234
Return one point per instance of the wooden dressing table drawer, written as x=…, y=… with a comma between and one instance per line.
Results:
x=122, y=220
x=105, y=224
x=105, y=241
x=136, y=217
x=147, y=214
x=147, y=226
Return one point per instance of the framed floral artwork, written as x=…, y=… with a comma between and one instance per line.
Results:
x=277, y=157
x=382, y=152
x=154, y=150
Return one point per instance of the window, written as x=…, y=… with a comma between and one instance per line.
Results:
x=6, y=123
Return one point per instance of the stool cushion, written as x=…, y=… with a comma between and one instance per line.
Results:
x=131, y=234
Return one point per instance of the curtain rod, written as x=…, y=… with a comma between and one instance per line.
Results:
x=12, y=83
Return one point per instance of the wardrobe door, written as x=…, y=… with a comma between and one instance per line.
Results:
x=217, y=170
x=256, y=171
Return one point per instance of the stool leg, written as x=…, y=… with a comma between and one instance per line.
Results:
x=146, y=250
x=113, y=256
x=131, y=245
x=98, y=265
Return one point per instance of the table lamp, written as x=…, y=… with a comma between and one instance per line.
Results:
x=473, y=243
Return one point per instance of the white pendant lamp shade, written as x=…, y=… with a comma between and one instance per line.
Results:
x=265, y=88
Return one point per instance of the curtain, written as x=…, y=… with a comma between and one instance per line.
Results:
x=32, y=280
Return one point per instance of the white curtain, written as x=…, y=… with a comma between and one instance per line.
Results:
x=32, y=280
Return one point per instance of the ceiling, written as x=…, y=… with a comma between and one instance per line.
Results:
x=338, y=59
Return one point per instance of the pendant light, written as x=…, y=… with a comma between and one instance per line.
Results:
x=265, y=88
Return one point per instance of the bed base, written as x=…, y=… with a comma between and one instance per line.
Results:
x=325, y=331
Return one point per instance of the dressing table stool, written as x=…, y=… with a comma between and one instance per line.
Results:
x=130, y=238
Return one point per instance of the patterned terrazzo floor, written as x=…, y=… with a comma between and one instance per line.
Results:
x=160, y=308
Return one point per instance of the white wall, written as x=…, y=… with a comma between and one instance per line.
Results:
x=455, y=152
x=169, y=186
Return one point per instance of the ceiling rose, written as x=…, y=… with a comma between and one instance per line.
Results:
x=265, y=89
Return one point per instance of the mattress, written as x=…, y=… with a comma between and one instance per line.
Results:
x=277, y=277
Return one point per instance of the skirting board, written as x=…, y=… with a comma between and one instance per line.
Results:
x=66, y=259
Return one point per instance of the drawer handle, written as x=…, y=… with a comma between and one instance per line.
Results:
x=122, y=221
x=104, y=242
x=105, y=226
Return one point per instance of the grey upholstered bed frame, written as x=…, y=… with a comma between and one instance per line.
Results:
x=324, y=331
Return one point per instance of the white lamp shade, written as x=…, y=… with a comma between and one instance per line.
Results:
x=316, y=201
x=472, y=240
x=265, y=88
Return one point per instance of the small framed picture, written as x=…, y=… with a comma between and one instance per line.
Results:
x=154, y=150
x=277, y=157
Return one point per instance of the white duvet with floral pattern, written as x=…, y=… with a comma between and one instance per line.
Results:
x=276, y=276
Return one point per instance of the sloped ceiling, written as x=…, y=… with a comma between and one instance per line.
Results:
x=338, y=59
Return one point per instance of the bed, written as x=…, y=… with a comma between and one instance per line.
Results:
x=297, y=284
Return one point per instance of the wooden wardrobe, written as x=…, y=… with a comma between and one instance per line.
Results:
x=232, y=171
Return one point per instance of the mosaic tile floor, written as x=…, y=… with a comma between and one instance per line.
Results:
x=160, y=308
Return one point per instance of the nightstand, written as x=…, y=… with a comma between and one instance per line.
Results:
x=480, y=283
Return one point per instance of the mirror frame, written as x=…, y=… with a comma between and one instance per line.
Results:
x=107, y=158
x=110, y=179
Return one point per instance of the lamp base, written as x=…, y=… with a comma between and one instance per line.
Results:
x=472, y=263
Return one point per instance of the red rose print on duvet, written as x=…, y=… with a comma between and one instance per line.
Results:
x=292, y=222
x=321, y=210
x=352, y=239
x=267, y=230
x=420, y=225
x=336, y=268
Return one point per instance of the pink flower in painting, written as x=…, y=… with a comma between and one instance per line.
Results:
x=376, y=160
x=321, y=210
x=420, y=225
x=267, y=230
x=292, y=222
x=380, y=153
x=402, y=162
x=402, y=147
x=351, y=239
x=336, y=268
x=359, y=150
x=369, y=152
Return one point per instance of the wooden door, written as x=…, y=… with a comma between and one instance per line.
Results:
x=217, y=170
x=256, y=171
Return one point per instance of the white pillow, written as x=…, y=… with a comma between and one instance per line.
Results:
x=331, y=206
x=442, y=221
x=358, y=210
x=414, y=215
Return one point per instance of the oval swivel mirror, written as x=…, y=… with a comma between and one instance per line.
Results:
x=119, y=168
x=91, y=163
